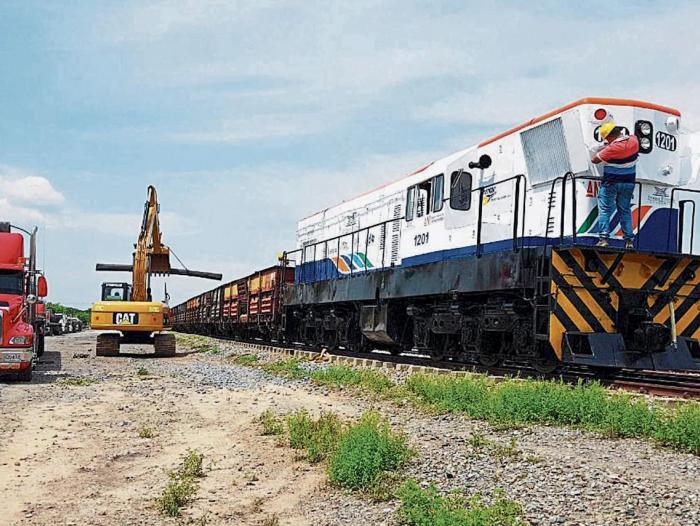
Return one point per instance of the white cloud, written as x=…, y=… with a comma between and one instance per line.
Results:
x=20, y=186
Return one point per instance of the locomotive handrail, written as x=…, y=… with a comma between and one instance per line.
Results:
x=679, y=228
x=520, y=179
x=574, y=178
x=681, y=220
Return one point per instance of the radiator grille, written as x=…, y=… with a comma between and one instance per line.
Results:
x=395, y=234
x=546, y=154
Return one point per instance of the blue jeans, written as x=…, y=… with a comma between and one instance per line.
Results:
x=611, y=196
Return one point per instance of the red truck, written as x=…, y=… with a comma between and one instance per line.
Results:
x=21, y=286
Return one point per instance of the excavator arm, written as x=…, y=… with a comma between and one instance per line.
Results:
x=151, y=256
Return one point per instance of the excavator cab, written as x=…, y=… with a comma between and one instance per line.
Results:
x=116, y=291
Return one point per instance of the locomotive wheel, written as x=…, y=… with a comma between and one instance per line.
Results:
x=490, y=352
x=489, y=360
x=330, y=340
x=545, y=362
x=107, y=345
x=164, y=344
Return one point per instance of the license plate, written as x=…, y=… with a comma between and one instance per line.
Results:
x=126, y=318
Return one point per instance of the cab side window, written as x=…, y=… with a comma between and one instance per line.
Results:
x=461, y=190
x=438, y=192
x=425, y=197
x=410, y=201
x=423, y=200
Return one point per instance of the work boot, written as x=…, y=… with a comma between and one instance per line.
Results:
x=602, y=242
x=629, y=244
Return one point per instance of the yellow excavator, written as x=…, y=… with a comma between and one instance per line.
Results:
x=127, y=310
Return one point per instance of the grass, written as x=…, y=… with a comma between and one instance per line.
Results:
x=143, y=372
x=363, y=456
x=77, y=381
x=197, y=343
x=588, y=406
x=146, y=432
x=270, y=423
x=344, y=376
x=289, y=368
x=426, y=507
x=246, y=359
x=318, y=438
x=182, y=485
x=365, y=451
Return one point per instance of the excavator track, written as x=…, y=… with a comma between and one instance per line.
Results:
x=107, y=345
x=164, y=344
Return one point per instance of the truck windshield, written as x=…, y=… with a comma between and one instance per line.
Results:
x=11, y=282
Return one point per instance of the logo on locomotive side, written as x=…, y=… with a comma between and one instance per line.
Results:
x=347, y=263
x=659, y=196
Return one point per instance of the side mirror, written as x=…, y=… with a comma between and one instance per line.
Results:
x=42, y=288
x=483, y=164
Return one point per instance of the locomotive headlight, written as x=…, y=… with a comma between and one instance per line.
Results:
x=645, y=129
x=645, y=143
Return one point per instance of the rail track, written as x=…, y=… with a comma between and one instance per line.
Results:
x=675, y=385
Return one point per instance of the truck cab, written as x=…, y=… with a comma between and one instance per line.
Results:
x=20, y=286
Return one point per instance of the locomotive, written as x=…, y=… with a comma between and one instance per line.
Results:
x=487, y=256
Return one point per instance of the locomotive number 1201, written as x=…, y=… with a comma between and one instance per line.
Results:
x=420, y=239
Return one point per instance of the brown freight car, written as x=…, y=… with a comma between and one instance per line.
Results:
x=246, y=308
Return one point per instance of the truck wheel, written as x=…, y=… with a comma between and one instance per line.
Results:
x=40, y=345
x=26, y=375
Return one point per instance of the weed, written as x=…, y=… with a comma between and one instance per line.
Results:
x=384, y=488
x=366, y=450
x=426, y=507
x=77, y=381
x=681, y=429
x=143, y=372
x=182, y=485
x=288, y=368
x=272, y=520
x=344, y=376
x=146, y=432
x=192, y=465
x=509, y=450
x=479, y=441
x=271, y=424
x=246, y=359
x=299, y=425
x=317, y=437
x=534, y=459
x=176, y=494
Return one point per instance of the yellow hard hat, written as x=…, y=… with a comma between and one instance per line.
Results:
x=605, y=130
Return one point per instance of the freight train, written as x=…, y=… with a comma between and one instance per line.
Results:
x=487, y=256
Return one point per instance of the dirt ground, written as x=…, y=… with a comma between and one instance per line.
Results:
x=71, y=455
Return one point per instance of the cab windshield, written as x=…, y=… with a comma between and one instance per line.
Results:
x=11, y=282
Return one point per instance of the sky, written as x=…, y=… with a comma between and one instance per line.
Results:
x=247, y=116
